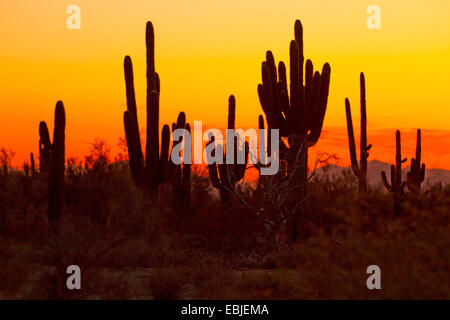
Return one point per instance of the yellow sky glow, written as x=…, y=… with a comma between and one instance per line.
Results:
x=207, y=50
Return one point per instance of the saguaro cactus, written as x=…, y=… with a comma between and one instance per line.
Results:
x=299, y=116
x=225, y=176
x=416, y=175
x=359, y=170
x=57, y=159
x=397, y=186
x=157, y=167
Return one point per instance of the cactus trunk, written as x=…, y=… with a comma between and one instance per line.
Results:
x=360, y=170
x=157, y=167
x=417, y=171
x=396, y=187
x=56, y=157
x=298, y=116
x=225, y=176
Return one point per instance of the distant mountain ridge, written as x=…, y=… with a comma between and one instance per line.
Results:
x=375, y=167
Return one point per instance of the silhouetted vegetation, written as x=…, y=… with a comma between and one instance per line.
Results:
x=359, y=170
x=222, y=237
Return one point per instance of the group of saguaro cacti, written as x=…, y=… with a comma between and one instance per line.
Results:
x=224, y=176
x=415, y=176
x=55, y=154
x=157, y=167
x=359, y=170
x=298, y=115
x=30, y=169
x=397, y=186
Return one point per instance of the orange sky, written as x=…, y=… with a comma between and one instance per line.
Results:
x=207, y=50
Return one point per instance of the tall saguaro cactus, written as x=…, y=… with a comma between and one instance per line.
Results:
x=57, y=159
x=156, y=168
x=225, y=176
x=359, y=170
x=299, y=115
x=416, y=175
x=397, y=186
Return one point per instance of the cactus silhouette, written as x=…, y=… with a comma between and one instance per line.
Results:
x=299, y=116
x=44, y=151
x=157, y=168
x=56, y=155
x=262, y=127
x=416, y=175
x=224, y=176
x=397, y=186
x=359, y=170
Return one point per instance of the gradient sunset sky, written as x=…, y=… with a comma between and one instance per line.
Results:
x=207, y=50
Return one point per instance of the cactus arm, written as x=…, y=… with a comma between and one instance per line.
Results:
x=385, y=181
x=45, y=146
x=150, y=44
x=131, y=107
x=134, y=152
x=44, y=135
x=295, y=86
x=231, y=112
x=316, y=129
x=298, y=35
x=398, y=158
x=267, y=97
x=214, y=176
x=311, y=112
x=270, y=61
x=282, y=75
x=417, y=172
x=129, y=89
x=157, y=84
x=260, y=90
x=363, y=147
x=212, y=167
x=419, y=147
x=351, y=138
